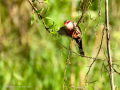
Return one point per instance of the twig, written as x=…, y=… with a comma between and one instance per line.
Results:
x=106, y=68
x=83, y=12
x=39, y=15
x=116, y=71
x=80, y=54
x=65, y=78
x=118, y=66
x=98, y=51
x=108, y=46
x=92, y=82
x=67, y=62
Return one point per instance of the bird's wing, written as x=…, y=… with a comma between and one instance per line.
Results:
x=77, y=30
x=63, y=31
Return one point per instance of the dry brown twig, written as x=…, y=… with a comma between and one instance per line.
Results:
x=116, y=71
x=67, y=62
x=92, y=82
x=83, y=12
x=80, y=54
x=98, y=51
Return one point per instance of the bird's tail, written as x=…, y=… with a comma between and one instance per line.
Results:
x=79, y=42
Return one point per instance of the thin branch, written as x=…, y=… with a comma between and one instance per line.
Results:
x=80, y=54
x=83, y=12
x=39, y=15
x=116, y=71
x=67, y=62
x=118, y=66
x=98, y=51
x=108, y=46
x=106, y=68
x=92, y=82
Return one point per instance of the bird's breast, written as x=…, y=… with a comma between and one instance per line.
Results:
x=71, y=32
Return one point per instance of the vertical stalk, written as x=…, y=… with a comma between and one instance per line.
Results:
x=72, y=46
x=108, y=46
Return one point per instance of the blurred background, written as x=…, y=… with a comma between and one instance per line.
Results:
x=33, y=58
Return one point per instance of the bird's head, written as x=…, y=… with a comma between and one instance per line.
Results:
x=68, y=24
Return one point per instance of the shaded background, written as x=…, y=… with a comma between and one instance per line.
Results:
x=30, y=56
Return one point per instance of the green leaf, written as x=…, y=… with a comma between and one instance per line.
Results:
x=39, y=11
x=48, y=18
x=53, y=24
x=32, y=19
x=47, y=9
x=54, y=32
x=46, y=2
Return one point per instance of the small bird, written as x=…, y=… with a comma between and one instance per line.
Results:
x=72, y=30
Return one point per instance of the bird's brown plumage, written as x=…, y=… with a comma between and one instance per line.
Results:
x=74, y=33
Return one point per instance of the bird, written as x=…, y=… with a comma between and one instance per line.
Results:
x=72, y=30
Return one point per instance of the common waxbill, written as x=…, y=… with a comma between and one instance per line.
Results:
x=72, y=30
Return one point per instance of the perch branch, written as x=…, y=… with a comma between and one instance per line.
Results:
x=80, y=54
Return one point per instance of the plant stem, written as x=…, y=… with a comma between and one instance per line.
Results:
x=108, y=46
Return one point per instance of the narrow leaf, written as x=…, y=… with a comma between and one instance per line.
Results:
x=47, y=9
x=39, y=11
x=48, y=18
x=46, y=2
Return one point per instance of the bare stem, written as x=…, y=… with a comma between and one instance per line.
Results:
x=108, y=46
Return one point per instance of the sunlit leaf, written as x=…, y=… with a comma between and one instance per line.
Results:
x=48, y=18
x=39, y=11
x=54, y=33
x=46, y=2
x=53, y=23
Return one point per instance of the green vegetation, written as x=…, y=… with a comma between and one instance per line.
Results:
x=34, y=59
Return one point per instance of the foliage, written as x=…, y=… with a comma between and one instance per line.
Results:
x=31, y=57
